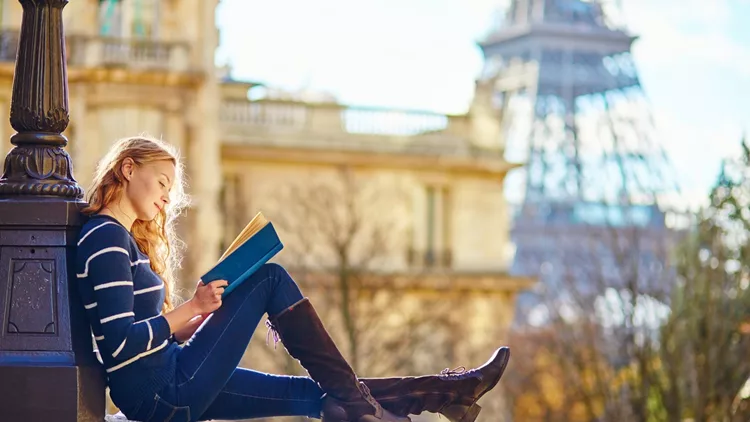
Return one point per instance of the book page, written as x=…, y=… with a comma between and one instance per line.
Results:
x=254, y=226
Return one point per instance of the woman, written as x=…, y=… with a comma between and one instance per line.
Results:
x=177, y=363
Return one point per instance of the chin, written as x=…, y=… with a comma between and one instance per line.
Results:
x=143, y=216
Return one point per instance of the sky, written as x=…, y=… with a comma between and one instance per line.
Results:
x=693, y=57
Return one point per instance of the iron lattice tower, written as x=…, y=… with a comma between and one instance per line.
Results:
x=575, y=113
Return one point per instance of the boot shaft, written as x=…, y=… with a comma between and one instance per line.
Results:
x=305, y=338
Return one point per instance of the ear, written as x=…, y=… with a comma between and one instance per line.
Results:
x=128, y=166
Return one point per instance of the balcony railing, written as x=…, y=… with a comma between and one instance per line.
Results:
x=269, y=114
x=96, y=51
x=336, y=118
x=316, y=125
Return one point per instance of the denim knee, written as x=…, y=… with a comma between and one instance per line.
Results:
x=285, y=290
x=278, y=274
x=274, y=269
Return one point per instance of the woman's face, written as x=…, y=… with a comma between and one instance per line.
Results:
x=148, y=187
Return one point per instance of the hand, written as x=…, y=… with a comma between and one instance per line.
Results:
x=207, y=297
x=186, y=332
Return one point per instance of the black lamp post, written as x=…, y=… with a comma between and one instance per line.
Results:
x=47, y=369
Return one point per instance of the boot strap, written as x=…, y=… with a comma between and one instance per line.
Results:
x=272, y=332
x=370, y=399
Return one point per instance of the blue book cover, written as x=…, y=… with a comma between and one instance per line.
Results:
x=257, y=243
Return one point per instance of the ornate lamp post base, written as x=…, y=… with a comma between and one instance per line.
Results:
x=48, y=371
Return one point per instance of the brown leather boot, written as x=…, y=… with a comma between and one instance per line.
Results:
x=305, y=338
x=453, y=393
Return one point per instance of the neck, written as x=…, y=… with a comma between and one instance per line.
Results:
x=121, y=213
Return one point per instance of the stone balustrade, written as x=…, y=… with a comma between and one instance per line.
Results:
x=334, y=126
x=95, y=51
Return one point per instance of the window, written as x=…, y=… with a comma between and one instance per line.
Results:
x=437, y=251
x=430, y=245
x=232, y=206
x=145, y=23
x=136, y=18
x=110, y=17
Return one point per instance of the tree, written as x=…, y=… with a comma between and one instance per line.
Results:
x=605, y=290
x=658, y=330
x=341, y=230
x=347, y=238
x=705, y=341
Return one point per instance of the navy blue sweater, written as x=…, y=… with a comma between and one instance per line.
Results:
x=123, y=299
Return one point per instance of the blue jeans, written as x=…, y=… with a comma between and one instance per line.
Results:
x=209, y=385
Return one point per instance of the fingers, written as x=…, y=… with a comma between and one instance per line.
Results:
x=217, y=287
x=210, y=294
x=214, y=283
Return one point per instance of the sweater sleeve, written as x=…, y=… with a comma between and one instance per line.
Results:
x=105, y=267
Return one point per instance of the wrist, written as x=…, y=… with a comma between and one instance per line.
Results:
x=178, y=337
x=194, y=308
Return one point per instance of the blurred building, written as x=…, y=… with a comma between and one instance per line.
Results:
x=404, y=209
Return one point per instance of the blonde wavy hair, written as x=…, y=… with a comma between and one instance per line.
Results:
x=156, y=238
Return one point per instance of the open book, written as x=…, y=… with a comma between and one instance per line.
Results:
x=253, y=247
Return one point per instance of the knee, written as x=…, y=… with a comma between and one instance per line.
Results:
x=275, y=270
x=277, y=273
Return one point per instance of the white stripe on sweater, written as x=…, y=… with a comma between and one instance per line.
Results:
x=93, y=230
x=149, y=318
x=90, y=305
x=117, y=316
x=149, y=289
x=97, y=253
x=150, y=335
x=119, y=349
x=113, y=284
x=140, y=261
x=138, y=356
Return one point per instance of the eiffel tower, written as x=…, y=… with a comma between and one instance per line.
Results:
x=575, y=113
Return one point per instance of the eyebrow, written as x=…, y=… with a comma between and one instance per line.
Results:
x=165, y=175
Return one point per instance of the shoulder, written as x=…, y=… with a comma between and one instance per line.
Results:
x=100, y=232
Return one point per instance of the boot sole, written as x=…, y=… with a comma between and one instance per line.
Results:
x=366, y=418
x=339, y=414
x=464, y=413
x=460, y=413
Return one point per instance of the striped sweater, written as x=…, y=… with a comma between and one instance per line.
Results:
x=123, y=299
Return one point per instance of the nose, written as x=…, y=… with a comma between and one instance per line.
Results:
x=165, y=199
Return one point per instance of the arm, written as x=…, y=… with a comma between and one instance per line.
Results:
x=183, y=334
x=105, y=264
x=106, y=269
x=181, y=319
x=207, y=298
